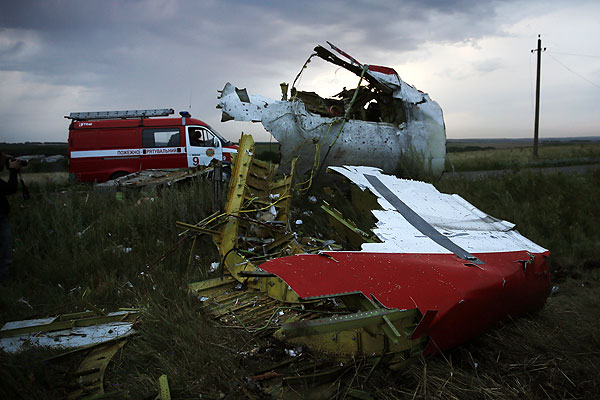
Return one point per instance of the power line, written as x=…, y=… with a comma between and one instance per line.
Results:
x=573, y=72
x=572, y=54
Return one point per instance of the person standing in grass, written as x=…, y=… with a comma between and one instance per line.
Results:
x=6, y=188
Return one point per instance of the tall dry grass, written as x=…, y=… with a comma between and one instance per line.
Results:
x=72, y=238
x=69, y=239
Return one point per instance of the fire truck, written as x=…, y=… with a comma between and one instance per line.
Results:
x=105, y=145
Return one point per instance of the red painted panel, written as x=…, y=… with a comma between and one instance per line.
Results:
x=469, y=299
x=383, y=70
x=100, y=139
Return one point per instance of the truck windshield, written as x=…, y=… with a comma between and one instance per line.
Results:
x=223, y=140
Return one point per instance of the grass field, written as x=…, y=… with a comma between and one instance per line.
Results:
x=69, y=238
x=549, y=155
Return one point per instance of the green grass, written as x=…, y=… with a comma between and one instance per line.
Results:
x=556, y=211
x=268, y=151
x=551, y=354
x=69, y=238
x=484, y=155
x=76, y=237
x=549, y=155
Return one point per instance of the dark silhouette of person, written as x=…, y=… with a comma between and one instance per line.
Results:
x=6, y=188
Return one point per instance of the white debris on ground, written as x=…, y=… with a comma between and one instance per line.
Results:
x=214, y=266
x=66, y=338
x=295, y=352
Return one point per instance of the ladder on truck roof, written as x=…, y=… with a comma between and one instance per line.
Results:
x=157, y=112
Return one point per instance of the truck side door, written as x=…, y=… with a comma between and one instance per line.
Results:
x=202, y=146
x=161, y=148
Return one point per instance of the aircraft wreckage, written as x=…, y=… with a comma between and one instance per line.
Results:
x=386, y=123
x=430, y=271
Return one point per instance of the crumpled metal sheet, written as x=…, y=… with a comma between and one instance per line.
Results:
x=74, y=337
x=469, y=299
x=410, y=269
x=449, y=214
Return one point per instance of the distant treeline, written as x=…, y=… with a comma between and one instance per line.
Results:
x=454, y=149
x=31, y=148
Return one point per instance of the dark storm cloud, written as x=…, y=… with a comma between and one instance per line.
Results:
x=104, y=34
x=12, y=50
x=140, y=54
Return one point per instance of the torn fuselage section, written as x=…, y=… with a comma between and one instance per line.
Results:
x=384, y=123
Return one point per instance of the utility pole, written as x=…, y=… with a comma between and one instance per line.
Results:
x=537, y=97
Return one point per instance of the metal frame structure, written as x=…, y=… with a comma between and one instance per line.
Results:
x=94, y=115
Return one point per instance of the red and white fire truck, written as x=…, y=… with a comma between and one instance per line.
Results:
x=107, y=144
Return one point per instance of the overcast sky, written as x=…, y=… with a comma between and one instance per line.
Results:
x=472, y=56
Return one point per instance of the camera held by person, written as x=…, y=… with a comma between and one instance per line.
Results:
x=10, y=162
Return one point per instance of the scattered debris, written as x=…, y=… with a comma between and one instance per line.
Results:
x=33, y=157
x=22, y=300
x=52, y=159
x=386, y=123
x=463, y=270
x=164, y=393
x=80, y=234
x=432, y=272
x=67, y=330
x=294, y=352
x=252, y=298
x=42, y=158
x=88, y=380
x=153, y=178
x=122, y=249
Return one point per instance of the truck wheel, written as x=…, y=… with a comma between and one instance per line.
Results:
x=118, y=174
